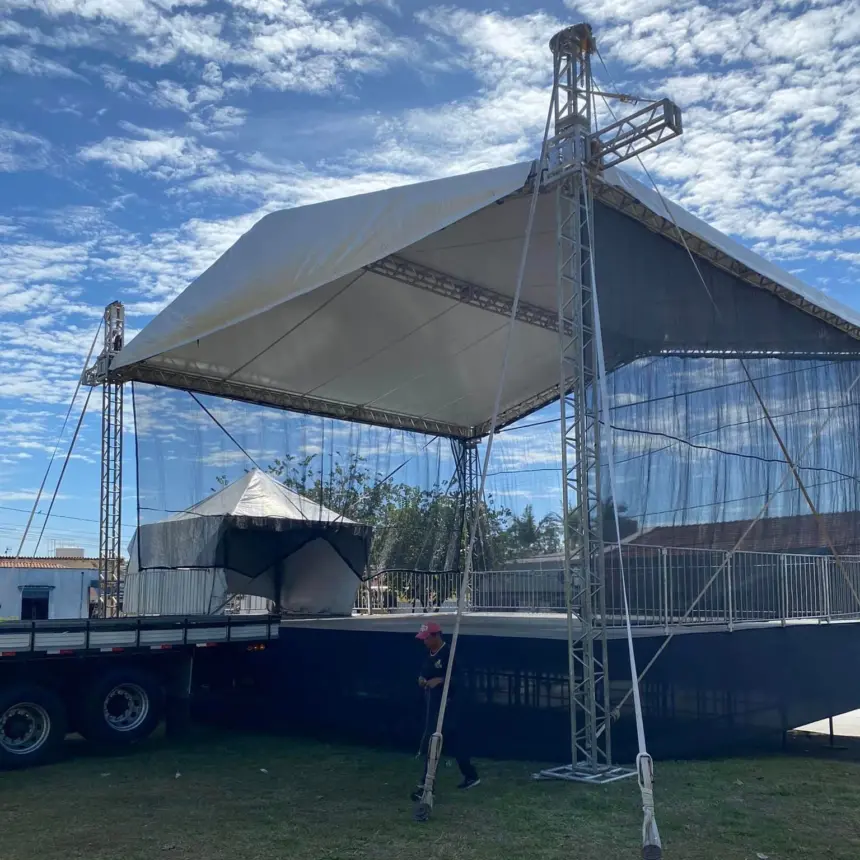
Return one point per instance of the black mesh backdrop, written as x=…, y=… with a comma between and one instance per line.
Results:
x=404, y=486
x=696, y=460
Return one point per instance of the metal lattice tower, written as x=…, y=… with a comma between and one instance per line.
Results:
x=576, y=153
x=110, y=516
x=474, y=503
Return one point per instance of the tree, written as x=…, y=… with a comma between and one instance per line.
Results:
x=626, y=525
x=423, y=529
x=550, y=532
x=525, y=530
x=550, y=539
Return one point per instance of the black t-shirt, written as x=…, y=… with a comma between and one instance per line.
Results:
x=435, y=666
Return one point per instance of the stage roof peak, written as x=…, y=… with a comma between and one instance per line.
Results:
x=391, y=307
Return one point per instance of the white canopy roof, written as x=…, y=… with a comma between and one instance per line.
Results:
x=257, y=494
x=392, y=307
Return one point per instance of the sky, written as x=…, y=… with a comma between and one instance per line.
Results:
x=140, y=138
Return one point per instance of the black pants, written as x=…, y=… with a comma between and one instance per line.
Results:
x=454, y=739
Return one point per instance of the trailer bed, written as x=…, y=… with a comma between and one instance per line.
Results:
x=75, y=637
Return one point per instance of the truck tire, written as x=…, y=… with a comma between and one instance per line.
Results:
x=33, y=725
x=120, y=707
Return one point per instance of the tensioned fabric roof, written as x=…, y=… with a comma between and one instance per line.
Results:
x=391, y=307
x=258, y=494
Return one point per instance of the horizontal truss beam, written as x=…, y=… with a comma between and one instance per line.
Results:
x=548, y=395
x=380, y=418
x=632, y=135
x=246, y=393
x=421, y=276
x=804, y=355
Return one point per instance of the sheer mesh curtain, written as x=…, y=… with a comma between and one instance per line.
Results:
x=694, y=456
x=696, y=463
x=693, y=446
x=402, y=484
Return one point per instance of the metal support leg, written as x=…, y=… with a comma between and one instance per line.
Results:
x=459, y=538
x=110, y=516
x=582, y=505
x=475, y=507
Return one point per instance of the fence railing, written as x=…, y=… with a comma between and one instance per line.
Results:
x=666, y=587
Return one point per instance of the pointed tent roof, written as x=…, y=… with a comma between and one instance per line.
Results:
x=257, y=494
x=391, y=307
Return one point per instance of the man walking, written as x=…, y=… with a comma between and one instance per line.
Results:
x=432, y=682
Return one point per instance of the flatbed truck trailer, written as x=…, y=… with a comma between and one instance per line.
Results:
x=113, y=680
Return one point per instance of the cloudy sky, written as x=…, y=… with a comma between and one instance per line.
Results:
x=140, y=138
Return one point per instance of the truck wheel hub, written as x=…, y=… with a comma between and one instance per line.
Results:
x=126, y=706
x=24, y=727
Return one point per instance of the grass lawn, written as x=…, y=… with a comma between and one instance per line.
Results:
x=321, y=802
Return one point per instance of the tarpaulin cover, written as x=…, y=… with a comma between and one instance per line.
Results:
x=252, y=532
x=718, y=365
x=292, y=308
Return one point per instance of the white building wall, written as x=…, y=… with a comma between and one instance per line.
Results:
x=68, y=590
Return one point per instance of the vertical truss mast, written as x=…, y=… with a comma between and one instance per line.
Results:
x=110, y=508
x=576, y=152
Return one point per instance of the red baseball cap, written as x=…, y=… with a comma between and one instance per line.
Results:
x=425, y=631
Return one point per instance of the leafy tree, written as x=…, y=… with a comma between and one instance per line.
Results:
x=422, y=529
x=550, y=536
x=626, y=525
x=526, y=533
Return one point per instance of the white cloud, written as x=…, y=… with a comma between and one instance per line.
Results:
x=291, y=45
x=212, y=74
x=29, y=261
x=170, y=94
x=23, y=61
x=21, y=495
x=227, y=116
x=21, y=150
x=167, y=156
x=769, y=92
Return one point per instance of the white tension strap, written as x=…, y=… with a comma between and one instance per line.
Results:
x=652, y=848
x=425, y=803
x=651, y=845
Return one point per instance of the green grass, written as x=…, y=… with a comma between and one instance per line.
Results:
x=321, y=802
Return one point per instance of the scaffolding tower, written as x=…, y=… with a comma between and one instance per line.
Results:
x=576, y=152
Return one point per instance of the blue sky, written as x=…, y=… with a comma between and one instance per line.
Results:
x=140, y=138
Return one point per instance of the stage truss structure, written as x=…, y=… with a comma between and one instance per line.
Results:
x=110, y=505
x=577, y=152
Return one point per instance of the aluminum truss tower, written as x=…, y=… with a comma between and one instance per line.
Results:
x=576, y=152
x=110, y=511
x=475, y=512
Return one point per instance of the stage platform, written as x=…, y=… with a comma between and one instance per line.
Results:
x=711, y=692
x=531, y=625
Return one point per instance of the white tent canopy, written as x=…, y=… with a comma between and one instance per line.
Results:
x=257, y=494
x=391, y=307
x=173, y=569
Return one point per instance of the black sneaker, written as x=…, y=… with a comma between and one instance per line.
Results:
x=469, y=783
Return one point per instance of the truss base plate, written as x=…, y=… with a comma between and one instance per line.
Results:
x=583, y=773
